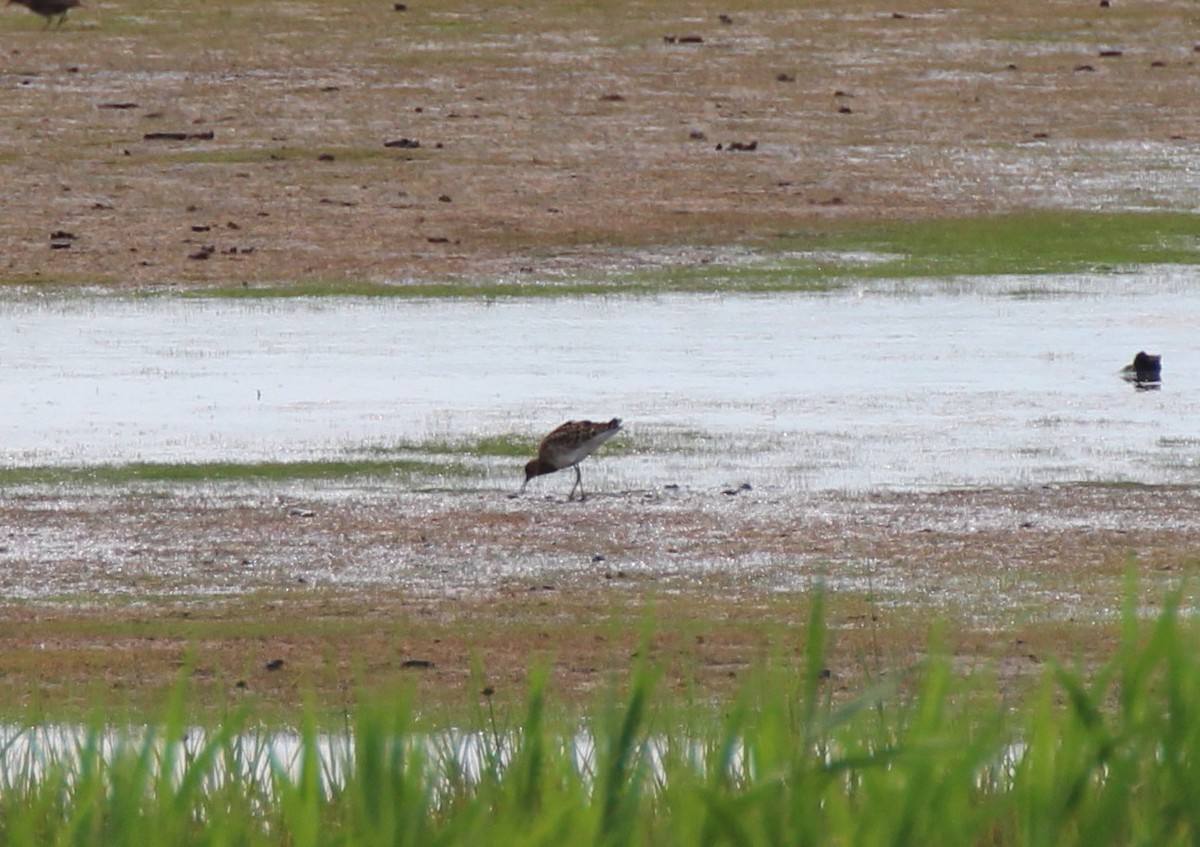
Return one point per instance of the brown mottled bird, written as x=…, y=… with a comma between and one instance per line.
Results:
x=567, y=446
x=48, y=9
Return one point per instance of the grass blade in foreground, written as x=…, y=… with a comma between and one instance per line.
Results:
x=1091, y=758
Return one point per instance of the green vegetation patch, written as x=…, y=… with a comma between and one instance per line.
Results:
x=490, y=446
x=708, y=279
x=828, y=258
x=923, y=755
x=198, y=472
x=1039, y=242
x=406, y=459
x=510, y=445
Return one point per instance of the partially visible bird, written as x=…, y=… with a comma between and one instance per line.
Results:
x=1145, y=368
x=48, y=9
x=566, y=447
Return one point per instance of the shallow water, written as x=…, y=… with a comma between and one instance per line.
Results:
x=914, y=384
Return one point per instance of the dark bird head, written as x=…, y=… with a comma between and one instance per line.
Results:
x=534, y=467
x=1144, y=363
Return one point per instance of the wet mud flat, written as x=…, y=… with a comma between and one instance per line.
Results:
x=161, y=146
x=154, y=145
x=270, y=593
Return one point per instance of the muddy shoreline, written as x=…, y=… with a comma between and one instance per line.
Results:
x=401, y=588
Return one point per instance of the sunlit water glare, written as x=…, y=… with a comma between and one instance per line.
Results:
x=913, y=384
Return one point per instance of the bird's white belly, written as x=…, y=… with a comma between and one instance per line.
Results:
x=577, y=454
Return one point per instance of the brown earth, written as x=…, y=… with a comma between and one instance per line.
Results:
x=450, y=593
x=542, y=137
x=557, y=135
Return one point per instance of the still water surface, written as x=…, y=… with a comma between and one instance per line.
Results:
x=913, y=384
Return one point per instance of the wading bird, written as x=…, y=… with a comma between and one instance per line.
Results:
x=566, y=447
x=1145, y=368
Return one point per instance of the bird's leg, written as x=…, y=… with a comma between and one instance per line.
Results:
x=578, y=484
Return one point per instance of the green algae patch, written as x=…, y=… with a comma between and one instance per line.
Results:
x=200, y=472
x=825, y=258
x=1039, y=242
